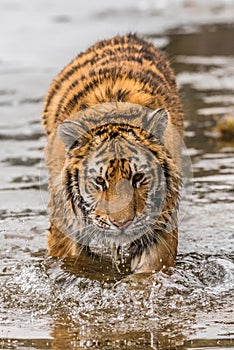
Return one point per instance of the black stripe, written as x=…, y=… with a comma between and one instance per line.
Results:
x=105, y=129
x=82, y=204
x=73, y=193
x=69, y=190
x=69, y=185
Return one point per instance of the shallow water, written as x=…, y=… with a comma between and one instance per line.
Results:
x=47, y=304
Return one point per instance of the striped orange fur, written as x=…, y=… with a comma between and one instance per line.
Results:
x=121, y=79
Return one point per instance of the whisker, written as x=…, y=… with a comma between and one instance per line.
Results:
x=69, y=248
x=58, y=242
x=166, y=245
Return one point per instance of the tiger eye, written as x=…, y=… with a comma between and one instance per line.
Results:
x=100, y=181
x=137, y=178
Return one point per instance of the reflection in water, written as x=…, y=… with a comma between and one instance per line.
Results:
x=64, y=338
x=49, y=304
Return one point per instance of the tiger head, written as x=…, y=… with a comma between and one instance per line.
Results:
x=118, y=175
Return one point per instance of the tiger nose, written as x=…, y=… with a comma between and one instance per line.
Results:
x=122, y=224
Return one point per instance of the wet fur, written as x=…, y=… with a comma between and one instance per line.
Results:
x=121, y=69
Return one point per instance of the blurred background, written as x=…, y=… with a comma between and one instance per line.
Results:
x=42, y=305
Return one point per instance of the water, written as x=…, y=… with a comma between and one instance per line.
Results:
x=46, y=303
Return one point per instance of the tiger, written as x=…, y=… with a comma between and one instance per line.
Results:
x=114, y=124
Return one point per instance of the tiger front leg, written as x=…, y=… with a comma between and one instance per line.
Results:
x=61, y=245
x=157, y=255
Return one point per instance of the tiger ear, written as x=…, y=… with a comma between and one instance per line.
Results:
x=71, y=132
x=156, y=122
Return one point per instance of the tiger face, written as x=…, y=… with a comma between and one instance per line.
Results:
x=117, y=176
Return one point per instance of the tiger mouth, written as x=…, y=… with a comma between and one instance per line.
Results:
x=126, y=233
x=122, y=225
